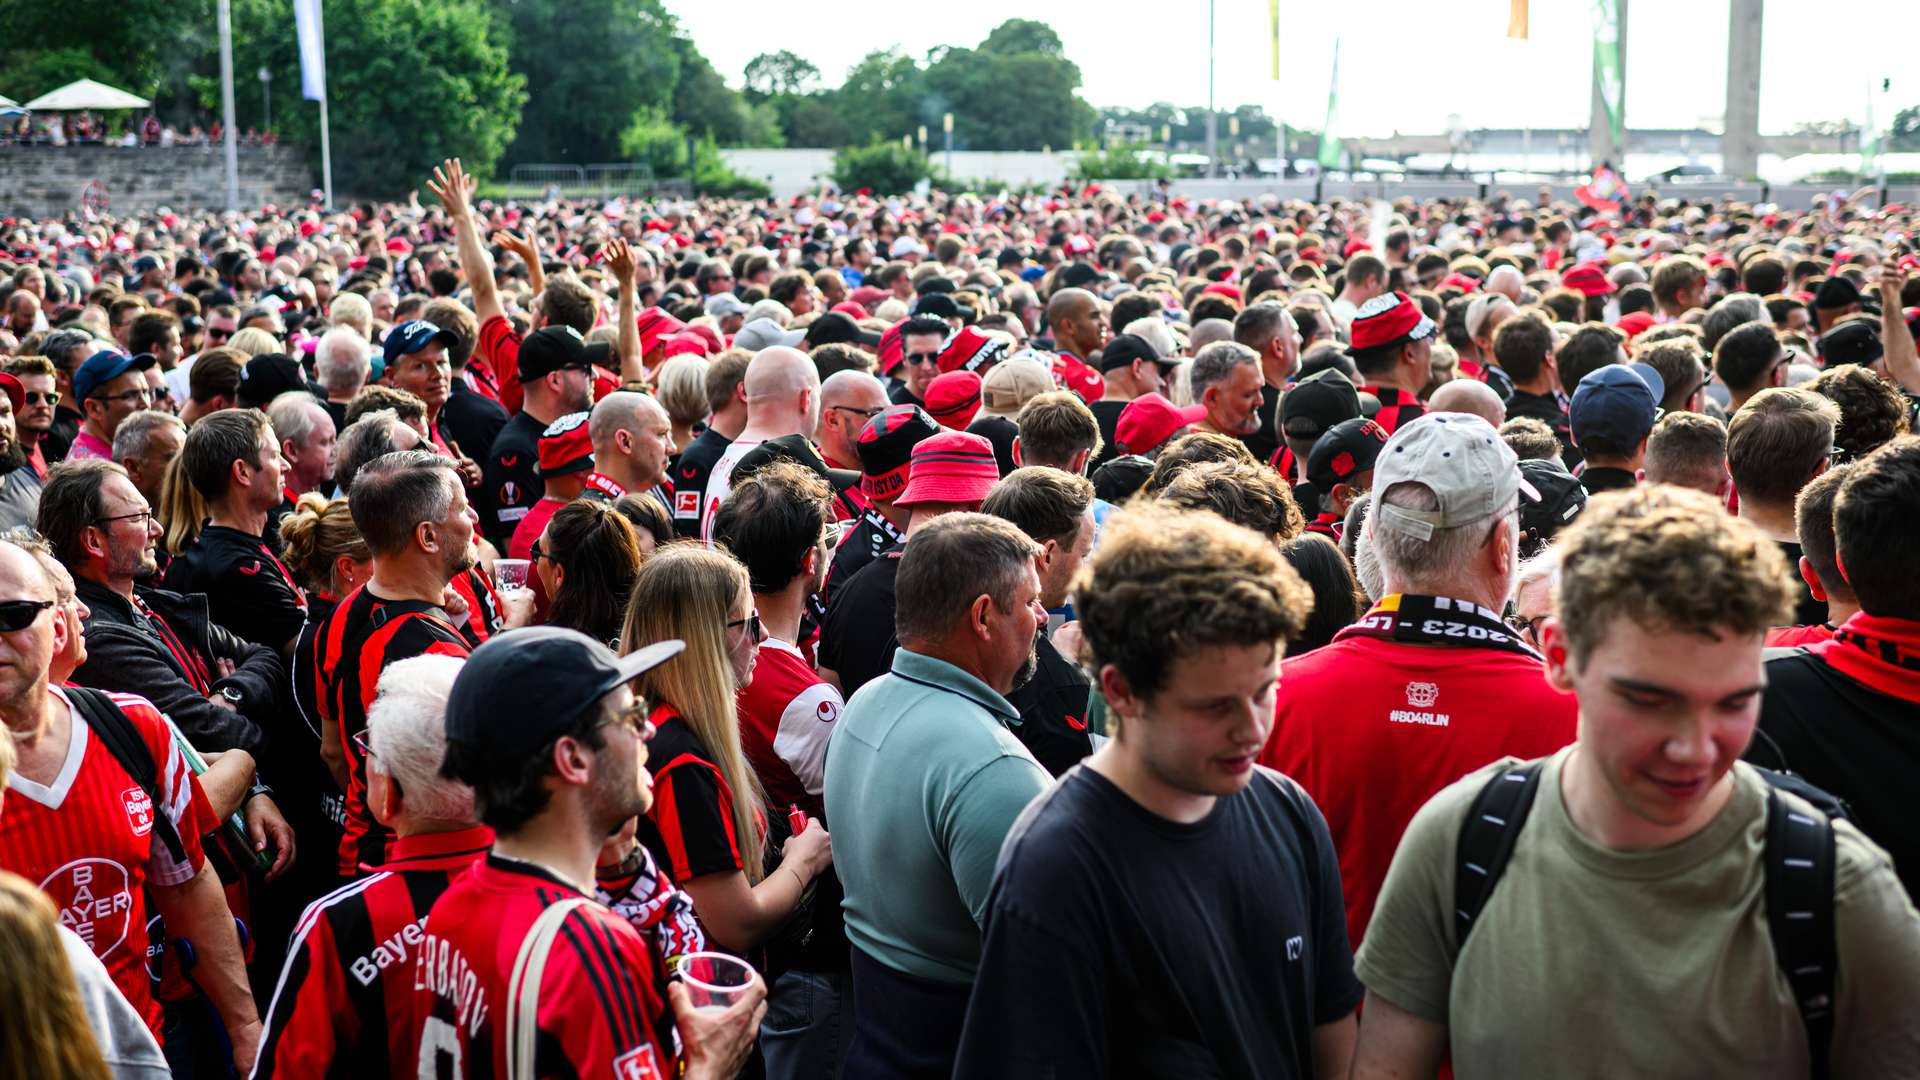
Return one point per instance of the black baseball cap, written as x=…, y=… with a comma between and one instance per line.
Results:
x=556, y=348
x=1348, y=449
x=837, y=327
x=1315, y=404
x=1836, y=292
x=1121, y=477
x=1123, y=350
x=941, y=305
x=1562, y=497
x=269, y=375
x=522, y=689
x=799, y=450
x=1853, y=342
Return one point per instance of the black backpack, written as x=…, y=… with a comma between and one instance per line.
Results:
x=1799, y=867
x=117, y=733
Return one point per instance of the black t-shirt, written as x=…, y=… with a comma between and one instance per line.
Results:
x=1262, y=442
x=1856, y=742
x=511, y=477
x=871, y=536
x=1107, y=413
x=1806, y=610
x=900, y=395
x=59, y=438
x=1053, y=710
x=1120, y=944
x=471, y=422
x=1546, y=409
x=690, y=479
x=337, y=410
x=249, y=591
x=1607, y=478
x=857, y=639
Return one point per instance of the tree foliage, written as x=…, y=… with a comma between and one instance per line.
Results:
x=135, y=45
x=888, y=168
x=777, y=73
x=1123, y=162
x=590, y=67
x=1906, y=129
x=409, y=82
x=1017, y=91
x=883, y=97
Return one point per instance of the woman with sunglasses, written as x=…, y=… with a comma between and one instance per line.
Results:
x=587, y=558
x=708, y=826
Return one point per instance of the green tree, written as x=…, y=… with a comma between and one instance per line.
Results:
x=1906, y=129
x=778, y=73
x=1015, y=92
x=1124, y=162
x=409, y=81
x=810, y=121
x=703, y=103
x=888, y=168
x=884, y=97
x=590, y=66
x=133, y=45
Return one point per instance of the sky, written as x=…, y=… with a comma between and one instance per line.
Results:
x=1395, y=56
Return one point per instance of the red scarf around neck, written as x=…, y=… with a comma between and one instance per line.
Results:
x=1877, y=652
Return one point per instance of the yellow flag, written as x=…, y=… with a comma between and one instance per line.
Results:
x=1273, y=18
x=1517, y=20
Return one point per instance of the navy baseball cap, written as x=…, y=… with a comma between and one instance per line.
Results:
x=1616, y=404
x=412, y=336
x=522, y=689
x=103, y=367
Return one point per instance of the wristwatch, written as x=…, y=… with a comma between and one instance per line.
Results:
x=254, y=792
x=232, y=694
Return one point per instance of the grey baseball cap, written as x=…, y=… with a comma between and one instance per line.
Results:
x=1470, y=469
x=722, y=305
x=765, y=333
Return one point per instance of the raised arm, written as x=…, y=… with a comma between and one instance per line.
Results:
x=1895, y=336
x=455, y=190
x=632, y=366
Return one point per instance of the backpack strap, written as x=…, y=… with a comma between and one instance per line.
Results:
x=1800, y=857
x=116, y=732
x=1486, y=841
x=523, y=989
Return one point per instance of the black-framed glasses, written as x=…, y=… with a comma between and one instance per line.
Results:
x=20, y=614
x=1839, y=455
x=1527, y=628
x=864, y=414
x=363, y=743
x=35, y=397
x=219, y=333
x=142, y=516
x=922, y=358
x=752, y=623
x=537, y=553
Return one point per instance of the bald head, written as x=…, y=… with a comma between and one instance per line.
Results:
x=622, y=409
x=855, y=389
x=1469, y=396
x=783, y=394
x=1507, y=281
x=1070, y=304
x=1206, y=332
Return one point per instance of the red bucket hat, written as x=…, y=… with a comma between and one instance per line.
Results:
x=970, y=350
x=565, y=446
x=1589, y=278
x=656, y=325
x=951, y=467
x=1387, y=320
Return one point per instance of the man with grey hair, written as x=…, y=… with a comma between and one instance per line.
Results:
x=373, y=435
x=341, y=362
x=632, y=437
x=1431, y=684
x=783, y=398
x=926, y=778
x=1507, y=281
x=1225, y=378
x=306, y=432
x=1270, y=331
x=145, y=444
x=331, y=1003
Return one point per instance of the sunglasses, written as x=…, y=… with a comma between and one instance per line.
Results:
x=752, y=623
x=35, y=397
x=215, y=333
x=923, y=358
x=20, y=614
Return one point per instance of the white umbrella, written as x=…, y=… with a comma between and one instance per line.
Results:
x=5, y=101
x=86, y=94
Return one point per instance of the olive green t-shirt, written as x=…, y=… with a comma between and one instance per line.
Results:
x=1589, y=961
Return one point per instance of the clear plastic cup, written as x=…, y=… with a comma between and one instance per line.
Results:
x=510, y=575
x=715, y=981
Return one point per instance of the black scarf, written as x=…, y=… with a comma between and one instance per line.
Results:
x=1436, y=620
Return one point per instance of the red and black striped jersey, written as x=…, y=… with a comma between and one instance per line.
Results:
x=86, y=838
x=483, y=606
x=602, y=1010
x=364, y=634
x=690, y=828
x=1396, y=407
x=343, y=1005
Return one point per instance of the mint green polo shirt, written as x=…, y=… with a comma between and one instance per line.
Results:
x=923, y=782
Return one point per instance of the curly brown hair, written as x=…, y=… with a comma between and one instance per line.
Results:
x=1165, y=582
x=1249, y=495
x=1668, y=558
x=1872, y=412
x=1198, y=448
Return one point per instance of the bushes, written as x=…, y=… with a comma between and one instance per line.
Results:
x=887, y=168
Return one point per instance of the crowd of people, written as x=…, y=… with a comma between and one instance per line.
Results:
x=83, y=128
x=1080, y=634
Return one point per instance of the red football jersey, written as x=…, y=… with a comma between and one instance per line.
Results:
x=603, y=1008
x=497, y=373
x=87, y=840
x=1790, y=637
x=786, y=716
x=1372, y=729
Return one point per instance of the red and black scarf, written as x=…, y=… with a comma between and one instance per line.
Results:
x=1877, y=652
x=1436, y=620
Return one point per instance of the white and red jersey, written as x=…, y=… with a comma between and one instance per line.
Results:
x=87, y=840
x=787, y=714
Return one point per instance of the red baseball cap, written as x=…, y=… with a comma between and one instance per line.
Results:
x=1387, y=320
x=951, y=467
x=1589, y=278
x=1635, y=323
x=970, y=350
x=1150, y=420
x=656, y=325
x=953, y=398
x=16, y=393
x=565, y=446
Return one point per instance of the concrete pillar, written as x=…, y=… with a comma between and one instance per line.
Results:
x=1740, y=146
x=1599, y=132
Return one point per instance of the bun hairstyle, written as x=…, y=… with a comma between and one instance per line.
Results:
x=314, y=535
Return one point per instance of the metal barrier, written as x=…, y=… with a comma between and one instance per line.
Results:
x=602, y=180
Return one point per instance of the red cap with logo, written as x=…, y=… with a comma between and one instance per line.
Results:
x=565, y=446
x=1150, y=420
x=1387, y=320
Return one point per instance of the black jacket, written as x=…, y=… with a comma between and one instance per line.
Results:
x=124, y=654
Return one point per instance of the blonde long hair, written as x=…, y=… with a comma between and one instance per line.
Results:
x=183, y=511
x=687, y=591
x=43, y=1029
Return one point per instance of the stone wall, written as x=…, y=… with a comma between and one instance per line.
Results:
x=47, y=181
